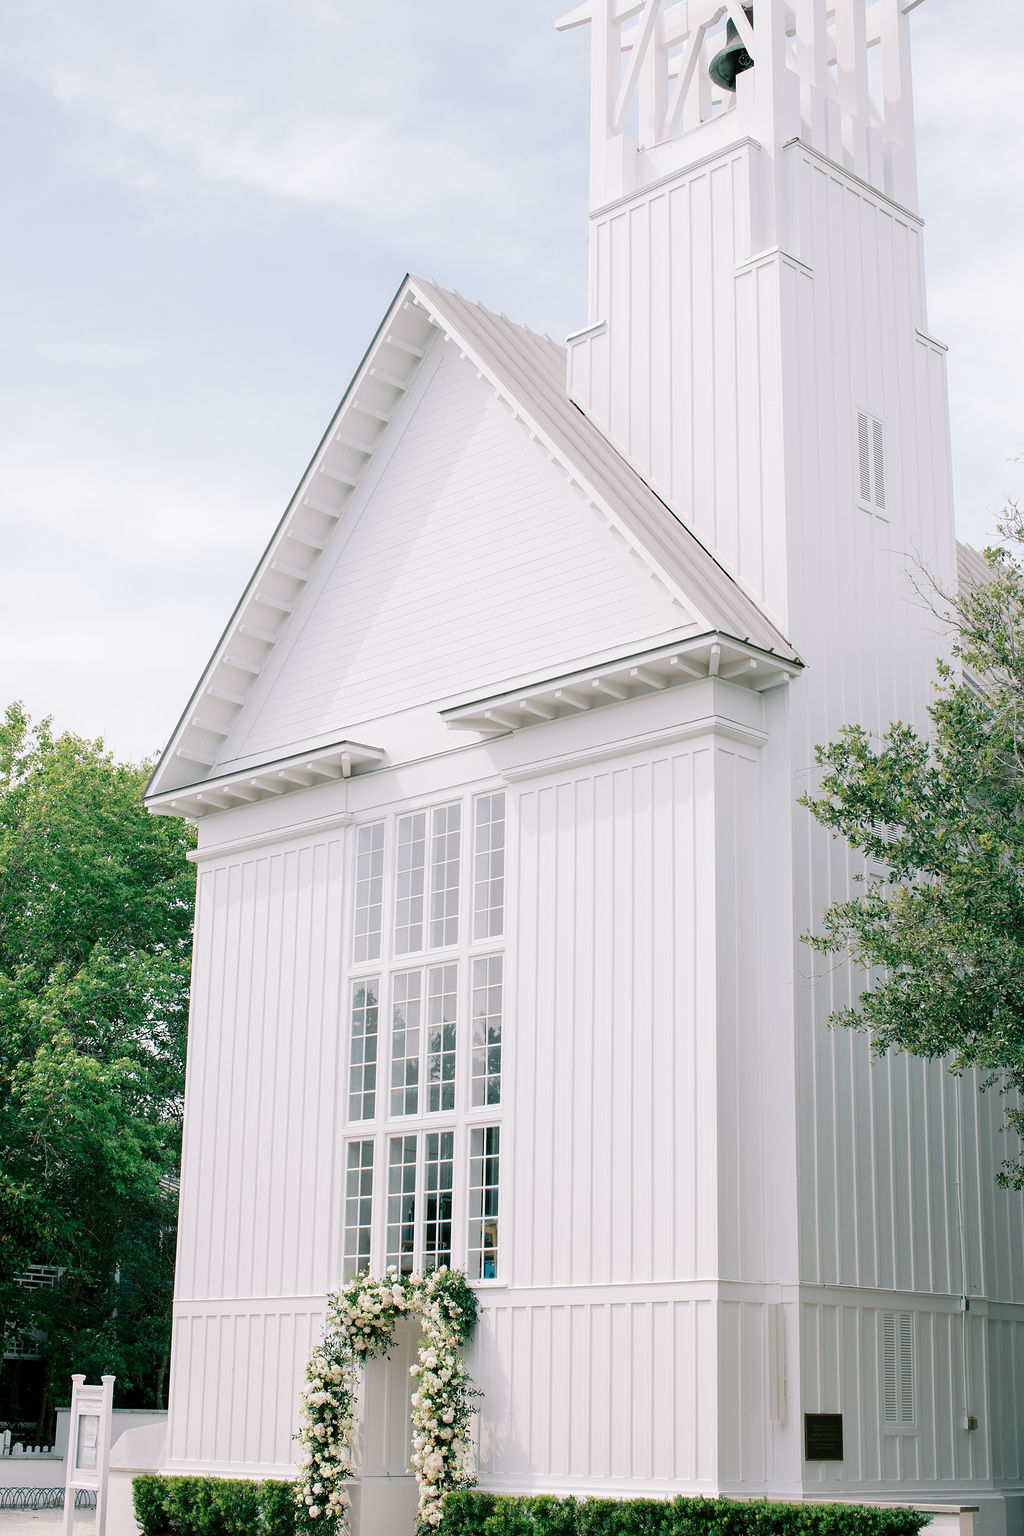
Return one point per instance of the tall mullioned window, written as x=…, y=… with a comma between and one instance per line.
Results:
x=445, y=874
x=401, y=1244
x=482, y=1246
x=410, y=883
x=425, y=1024
x=362, y=1072
x=438, y=1178
x=406, y=1034
x=486, y=1014
x=442, y=1008
x=358, y=1206
x=369, y=902
x=489, y=866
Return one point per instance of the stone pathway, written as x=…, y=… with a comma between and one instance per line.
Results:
x=44, y=1522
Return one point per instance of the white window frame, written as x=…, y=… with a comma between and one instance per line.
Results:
x=382, y=970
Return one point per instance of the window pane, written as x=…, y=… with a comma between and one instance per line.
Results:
x=369, y=891
x=362, y=1072
x=483, y=1203
x=358, y=1207
x=442, y=998
x=401, y=1243
x=438, y=1169
x=489, y=866
x=406, y=1013
x=445, y=845
x=410, y=877
x=487, y=975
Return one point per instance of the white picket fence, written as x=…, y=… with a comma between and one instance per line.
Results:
x=10, y=1447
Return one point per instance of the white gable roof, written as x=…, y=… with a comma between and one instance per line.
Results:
x=528, y=373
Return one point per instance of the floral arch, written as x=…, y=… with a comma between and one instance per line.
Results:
x=361, y=1321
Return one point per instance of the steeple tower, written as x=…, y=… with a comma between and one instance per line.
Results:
x=757, y=344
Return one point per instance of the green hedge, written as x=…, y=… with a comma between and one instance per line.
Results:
x=473, y=1513
x=213, y=1506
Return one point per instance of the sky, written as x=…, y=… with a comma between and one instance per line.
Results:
x=207, y=207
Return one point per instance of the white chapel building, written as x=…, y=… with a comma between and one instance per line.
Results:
x=502, y=875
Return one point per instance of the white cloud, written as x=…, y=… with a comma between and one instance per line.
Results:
x=305, y=104
x=970, y=129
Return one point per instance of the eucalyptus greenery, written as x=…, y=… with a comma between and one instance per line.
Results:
x=939, y=923
x=361, y=1322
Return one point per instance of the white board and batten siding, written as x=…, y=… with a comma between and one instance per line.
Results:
x=715, y=1214
x=616, y=1104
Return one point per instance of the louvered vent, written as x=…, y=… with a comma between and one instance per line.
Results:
x=899, y=1407
x=871, y=460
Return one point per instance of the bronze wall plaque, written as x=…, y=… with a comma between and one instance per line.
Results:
x=823, y=1437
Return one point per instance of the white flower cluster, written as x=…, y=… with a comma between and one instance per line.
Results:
x=361, y=1325
x=442, y=1404
x=325, y=1435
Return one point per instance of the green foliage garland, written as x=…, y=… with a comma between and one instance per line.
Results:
x=361, y=1321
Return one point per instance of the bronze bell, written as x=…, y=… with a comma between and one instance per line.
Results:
x=734, y=58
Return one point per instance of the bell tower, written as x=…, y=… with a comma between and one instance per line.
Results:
x=757, y=342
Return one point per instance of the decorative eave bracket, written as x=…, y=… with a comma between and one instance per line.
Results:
x=267, y=782
x=628, y=677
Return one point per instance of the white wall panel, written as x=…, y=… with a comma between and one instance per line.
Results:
x=234, y=1386
x=596, y=1393
x=258, y=1170
x=613, y=1121
x=842, y=1372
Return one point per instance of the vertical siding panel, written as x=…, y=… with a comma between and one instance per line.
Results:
x=602, y=1430
x=621, y=1399
x=620, y=1027
x=578, y=1463
x=559, y=1369
x=642, y=1028
x=683, y=1224
x=701, y=1094
x=562, y=976
x=665, y=1364
x=665, y=1136
x=601, y=1224
x=641, y=1343
x=661, y=323
x=639, y=428
x=705, y=1409
x=585, y=1126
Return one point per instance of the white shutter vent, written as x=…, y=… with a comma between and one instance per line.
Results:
x=899, y=1407
x=871, y=460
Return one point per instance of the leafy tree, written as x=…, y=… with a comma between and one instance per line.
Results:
x=940, y=819
x=96, y=906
